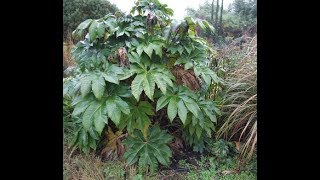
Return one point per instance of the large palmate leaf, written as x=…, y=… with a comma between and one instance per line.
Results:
x=197, y=129
x=148, y=151
x=93, y=30
x=146, y=80
x=78, y=33
x=113, y=73
x=86, y=83
x=138, y=117
x=207, y=74
x=71, y=87
x=85, y=140
x=114, y=106
x=96, y=113
x=95, y=81
x=180, y=101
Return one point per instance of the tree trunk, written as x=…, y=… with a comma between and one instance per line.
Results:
x=220, y=23
x=216, y=19
x=212, y=11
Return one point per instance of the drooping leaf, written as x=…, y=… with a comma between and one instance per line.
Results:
x=114, y=112
x=99, y=120
x=122, y=105
x=93, y=134
x=182, y=111
x=84, y=137
x=149, y=85
x=100, y=30
x=172, y=109
x=88, y=116
x=198, y=131
x=110, y=78
x=191, y=105
x=162, y=101
x=85, y=24
x=93, y=30
x=80, y=107
x=162, y=84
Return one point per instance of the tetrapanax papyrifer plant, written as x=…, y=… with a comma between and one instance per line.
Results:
x=130, y=68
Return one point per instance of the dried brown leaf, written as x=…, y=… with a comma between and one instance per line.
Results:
x=186, y=77
x=114, y=147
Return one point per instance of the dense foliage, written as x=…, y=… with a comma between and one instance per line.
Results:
x=76, y=11
x=131, y=69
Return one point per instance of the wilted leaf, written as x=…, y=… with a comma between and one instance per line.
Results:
x=113, y=145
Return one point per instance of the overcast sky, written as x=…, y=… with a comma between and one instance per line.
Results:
x=178, y=6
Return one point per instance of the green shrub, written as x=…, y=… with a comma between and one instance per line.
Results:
x=128, y=73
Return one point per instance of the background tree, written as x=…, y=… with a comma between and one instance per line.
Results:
x=76, y=11
x=232, y=23
x=212, y=11
x=216, y=19
x=220, y=22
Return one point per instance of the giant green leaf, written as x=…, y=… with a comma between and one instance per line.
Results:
x=149, y=85
x=100, y=30
x=99, y=120
x=148, y=152
x=114, y=112
x=98, y=86
x=86, y=85
x=80, y=107
x=89, y=114
x=93, y=30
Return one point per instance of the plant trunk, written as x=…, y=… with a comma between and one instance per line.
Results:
x=220, y=23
